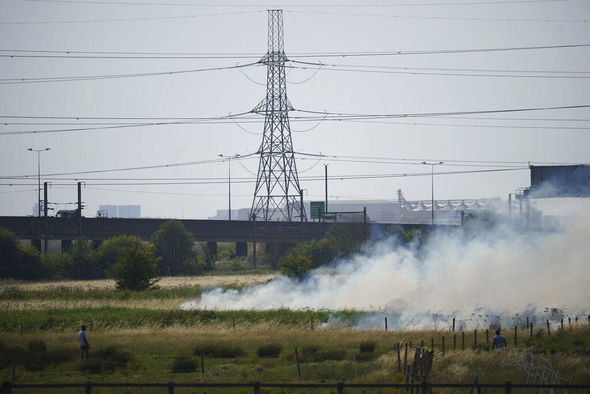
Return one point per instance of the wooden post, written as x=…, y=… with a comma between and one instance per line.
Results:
x=462, y=340
x=562, y=324
x=531, y=326
x=170, y=387
x=443, y=345
x=298, y=365
x=474, y=338
x=548, y=328
x=487, y=336
x=311, y=322
x=410, y=344
x=88, y=388
x=454, y=342
x=256, y=387
x=432, y=344
x=422, y=343
x=453, y=324
x=202, y=364
x=569, y=322
x=527, y=322
x=515, y=335
x=233, y=322
x=386, y=324
x=399, y=358
x=508, y=387
x=406, y=357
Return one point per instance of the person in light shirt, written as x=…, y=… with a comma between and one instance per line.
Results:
x=498, y=342
x=84, y=345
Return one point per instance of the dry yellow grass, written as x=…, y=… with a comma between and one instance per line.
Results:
x=37, y=305
x=165, y=282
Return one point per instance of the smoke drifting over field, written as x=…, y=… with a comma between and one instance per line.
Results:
x=487, y=277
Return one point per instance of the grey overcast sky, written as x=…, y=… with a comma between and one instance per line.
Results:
x=94, y=39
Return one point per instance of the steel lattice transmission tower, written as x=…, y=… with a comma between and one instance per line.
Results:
x=277, y=195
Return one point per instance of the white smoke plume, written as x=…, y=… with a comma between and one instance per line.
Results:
x=499, y=276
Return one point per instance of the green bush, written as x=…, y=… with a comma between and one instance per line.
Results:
x=136, y=269
x=174, y=247
x=19, y=262
x=295, y=266
x=271, y=350
x=106, y=360
x=367, y=346
x=184, y=364
x=218, y=350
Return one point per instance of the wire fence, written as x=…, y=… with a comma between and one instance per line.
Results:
x=340, y=387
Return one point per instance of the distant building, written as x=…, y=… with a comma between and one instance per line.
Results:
x=120, y=211
x=129, y=211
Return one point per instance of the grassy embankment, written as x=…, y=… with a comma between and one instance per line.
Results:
x=156, y=342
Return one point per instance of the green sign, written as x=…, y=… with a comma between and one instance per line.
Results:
x=316, y=209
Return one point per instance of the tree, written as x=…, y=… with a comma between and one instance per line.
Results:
x=110, y=251
x=295, y=266
x=82, y=261
x=135, y=269
x=174, y=246
x=19, y=262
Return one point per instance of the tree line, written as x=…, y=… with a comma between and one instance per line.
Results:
x=171, y=251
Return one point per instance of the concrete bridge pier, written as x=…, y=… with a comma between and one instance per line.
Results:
x=241, y=249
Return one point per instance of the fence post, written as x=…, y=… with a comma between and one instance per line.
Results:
x=256, y=387
x=443, y=345
x=453, y=324
x=549, y=328
x=311, y=324
x=202, y=364
x=386, y=324
x=487, y=336
x=508, y=387
x=298, y=365
x=474, y=339
x=454, y=342
x=399, y=357
x=170, y=387
x=233, y=322
x=340, y=388
x=515, y=335
x=527, y=322
x=432, y=344
x=88, y=389
x=422, y=343
x=462, y=340
x=424, y=387
x=531, y=326
x=562, y=324
x=406, y=357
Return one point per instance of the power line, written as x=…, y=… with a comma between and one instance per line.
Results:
x=476, y=73
x=134, y=19
x=443, y=18
x=8, y=81
x=65, y=54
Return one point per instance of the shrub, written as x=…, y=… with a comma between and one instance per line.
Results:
x=184, y=364
x=106, y=360
x=271, y=350
x=218, y=350
x=174, y=246
x=295, y=266
x=367, y=347
x=136, y=269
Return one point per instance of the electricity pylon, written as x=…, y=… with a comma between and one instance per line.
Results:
x=277, y=195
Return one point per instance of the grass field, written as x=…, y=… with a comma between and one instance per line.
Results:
x=144, y=337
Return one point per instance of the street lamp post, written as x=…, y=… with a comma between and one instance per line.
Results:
x=39, y=177
x=229, y=179
x=432, y=186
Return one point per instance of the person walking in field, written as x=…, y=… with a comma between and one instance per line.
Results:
x=84, y=345
x=498, y=342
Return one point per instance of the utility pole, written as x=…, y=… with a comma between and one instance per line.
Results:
x=432, y=186
x=277, y=188
x=326, y=185
x=45, y=204
x=39, y=177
